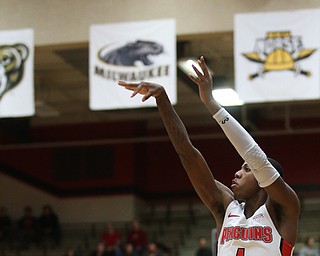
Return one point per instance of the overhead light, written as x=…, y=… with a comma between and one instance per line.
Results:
x=227, y=97
x=185, y=65
x=223, y=93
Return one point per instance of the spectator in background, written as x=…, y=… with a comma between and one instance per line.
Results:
x=69, y=252
x=137, y=237
x=112, y=239
x=27, y=229
x=309, y=248
x=6, y=226
x=49, y=226
x=203, y=249
x=152, y=250
x=128, y=250
x=100, y=250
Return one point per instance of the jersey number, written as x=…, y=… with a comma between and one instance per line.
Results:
x=240, y=252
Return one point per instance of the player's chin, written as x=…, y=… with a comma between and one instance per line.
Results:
x=234, y=187
x=237, y=195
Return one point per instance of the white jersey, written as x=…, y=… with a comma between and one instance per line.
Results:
x=255, y=236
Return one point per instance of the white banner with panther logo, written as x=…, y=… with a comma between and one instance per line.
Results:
x=277, y=56
x=16, y=73
x=132, y=52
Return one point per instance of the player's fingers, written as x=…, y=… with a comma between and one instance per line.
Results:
x=135, y=91
x=122, y=83
x=203, y=65
x=199, y=74
x=139, y=89
x=150, y=92
x=128, y=86
x=134, y=94
x=193, y=78
x=146, y=96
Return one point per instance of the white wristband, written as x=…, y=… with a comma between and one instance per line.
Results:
x=247, y=148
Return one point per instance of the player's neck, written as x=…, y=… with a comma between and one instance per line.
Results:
x=254, y=203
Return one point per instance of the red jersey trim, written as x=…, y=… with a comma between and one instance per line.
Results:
x=286, y=249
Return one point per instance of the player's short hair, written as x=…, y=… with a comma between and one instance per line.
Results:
x=277, y=166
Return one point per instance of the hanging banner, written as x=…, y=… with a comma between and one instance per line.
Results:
x=132, y=52
x=16, y=73
x=277, y=56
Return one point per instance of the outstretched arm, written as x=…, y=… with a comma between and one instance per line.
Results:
x=215, y=195
x=279, y=192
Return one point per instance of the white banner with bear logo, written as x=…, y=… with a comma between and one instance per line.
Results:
x=132, y=52
x=16, y=73
x=277, y=56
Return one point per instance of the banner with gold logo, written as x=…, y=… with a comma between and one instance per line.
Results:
x=132, y=52
x=16, y=73
x=277, y=56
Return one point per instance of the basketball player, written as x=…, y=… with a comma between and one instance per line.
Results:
x=259, y=214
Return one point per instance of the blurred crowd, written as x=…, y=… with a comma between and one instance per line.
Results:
x=134, y=243
x=31, y=231
x=44, y=230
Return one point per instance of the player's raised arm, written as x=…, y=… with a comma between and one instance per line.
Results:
x=268, y=178
x=215, y=195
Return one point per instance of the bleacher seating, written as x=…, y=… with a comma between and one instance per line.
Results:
x=177, y=225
